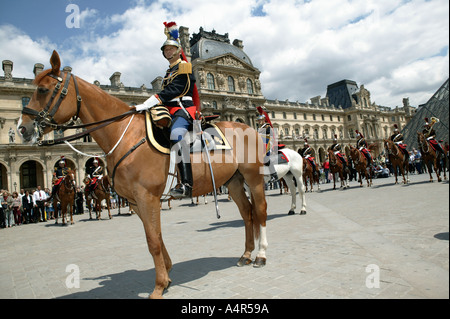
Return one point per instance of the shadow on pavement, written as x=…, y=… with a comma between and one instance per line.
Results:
x=132, y=284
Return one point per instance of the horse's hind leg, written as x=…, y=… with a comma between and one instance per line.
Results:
x=259, y=214
x=237, y=193
x=291, y=185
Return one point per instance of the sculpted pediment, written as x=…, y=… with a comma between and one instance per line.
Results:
x=230, y=60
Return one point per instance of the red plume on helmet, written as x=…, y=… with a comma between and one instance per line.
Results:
x=262, y=112
x=172, y=29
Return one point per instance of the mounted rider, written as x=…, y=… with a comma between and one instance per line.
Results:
x=178, y=95
x=306, y=153
x=397, y=138
x=337, y=150
x=266, y=131
x=430, y=135
x=58, y=175
x=361, y=145
x=95, y=173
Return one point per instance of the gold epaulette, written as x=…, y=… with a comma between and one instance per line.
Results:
x=185, y=68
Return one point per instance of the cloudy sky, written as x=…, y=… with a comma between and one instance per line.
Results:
x=395, y=48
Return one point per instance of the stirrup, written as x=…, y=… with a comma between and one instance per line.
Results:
x=181, y=191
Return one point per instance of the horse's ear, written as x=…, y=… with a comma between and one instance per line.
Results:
x=55, y=62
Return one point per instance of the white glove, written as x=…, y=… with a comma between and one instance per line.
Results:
x=151, y=102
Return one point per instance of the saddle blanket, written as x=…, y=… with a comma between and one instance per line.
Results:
x=159, y=138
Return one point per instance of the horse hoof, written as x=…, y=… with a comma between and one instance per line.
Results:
x=291, y=212
x=259, y=262
x=303, y=212
x=244, y=261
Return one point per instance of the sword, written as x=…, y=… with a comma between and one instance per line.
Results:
x=198, y=123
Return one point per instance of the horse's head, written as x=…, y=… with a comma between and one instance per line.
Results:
x=51, y=103
x=69, y=179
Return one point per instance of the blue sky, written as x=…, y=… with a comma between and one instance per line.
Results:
x=395, y=48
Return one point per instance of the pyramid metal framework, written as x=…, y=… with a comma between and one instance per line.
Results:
x=437, y=106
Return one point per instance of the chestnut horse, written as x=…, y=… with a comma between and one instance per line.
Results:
x=102, y=192
x=398, y=160
x=308, y=173
x=66, y=197
x=431, y=158
x=360, y=162
x=336, y=167
x=141, y=170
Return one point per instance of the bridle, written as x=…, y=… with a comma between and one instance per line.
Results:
x=69, y=182
x=389, y=145
x=45, y=118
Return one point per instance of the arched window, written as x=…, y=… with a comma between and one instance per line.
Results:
x=231, y=84
x=210, y=81
x=249, y=86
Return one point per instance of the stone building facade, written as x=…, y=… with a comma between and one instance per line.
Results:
x=228, y=85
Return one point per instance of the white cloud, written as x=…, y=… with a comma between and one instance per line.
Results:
x=396, y=48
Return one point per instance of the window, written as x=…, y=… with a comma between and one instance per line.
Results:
x=331, y=118
x=231, y=84
x=29, y=175
x=304, y=116
x=214, y=105
x=316, y=134
x=273, y=114
x=286, y=131
x=339, y=118
x=210, y=81
x=25, y=101
x=295, y=116
x=284, y=115
x=325, y=133
x=323, y=117
x=297, y=131
x=351, y=133
x=349, y=117
x=314, y=117
x=249, y=86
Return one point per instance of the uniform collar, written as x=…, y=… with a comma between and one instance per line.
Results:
x=175, y=63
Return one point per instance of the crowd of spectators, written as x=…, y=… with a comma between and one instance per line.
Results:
x=27, y=207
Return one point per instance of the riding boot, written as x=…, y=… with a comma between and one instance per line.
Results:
x=184, y=189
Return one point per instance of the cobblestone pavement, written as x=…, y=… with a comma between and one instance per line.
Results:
x=388, y=241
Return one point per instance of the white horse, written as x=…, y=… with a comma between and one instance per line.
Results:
x=294, y=168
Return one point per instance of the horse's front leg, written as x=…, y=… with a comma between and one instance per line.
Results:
x=71, y=214
x=148, y=210
x=437, y=169
x=55, y=208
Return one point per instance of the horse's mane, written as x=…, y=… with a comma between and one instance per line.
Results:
x=41, y=75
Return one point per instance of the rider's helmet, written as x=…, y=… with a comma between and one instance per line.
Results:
x=62, y=161
x=335, y=138
x=171, y=31
x=395, y=128
x=95, y=161
x=261, y=117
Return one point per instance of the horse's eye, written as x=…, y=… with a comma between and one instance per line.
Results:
x=42, y=90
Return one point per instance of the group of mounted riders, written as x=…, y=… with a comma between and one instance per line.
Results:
x=177, y=103
x=266, y=131
x=94, y=175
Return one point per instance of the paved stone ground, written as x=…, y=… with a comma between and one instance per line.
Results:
x=337, y=250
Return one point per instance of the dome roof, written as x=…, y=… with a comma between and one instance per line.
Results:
x=207, y=49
